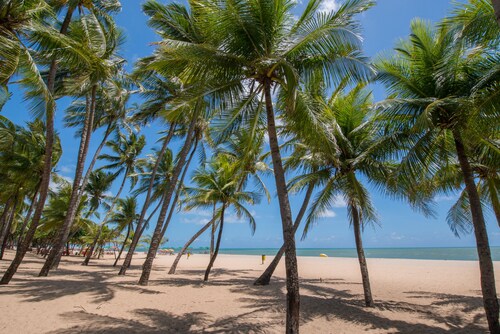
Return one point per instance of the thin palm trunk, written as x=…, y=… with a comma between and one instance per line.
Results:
x=265, y=278
x=138, y=229
x=5, y=214
x=217, y=245
x=28, y=217
x=190, y=241
x=490, y=301
x=178, y=191
x=292, y=274
x=101, y=228
x=129, y=228
x=156, y=237
x=6, y=233
x=63, y=234
x=212, y=236
x=6, y=228
x=85, y=179
x=361, y=256
x=496, y=7
x=47, y=164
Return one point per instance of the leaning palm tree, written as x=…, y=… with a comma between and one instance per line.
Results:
x=237, y=53
x=55, y=48
x=126, y=151
x=216, y=185
x=102, y=38
x=442, y=101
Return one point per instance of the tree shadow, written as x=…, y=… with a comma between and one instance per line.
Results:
x=66, y=282
x=155, y=321
x=326, y=301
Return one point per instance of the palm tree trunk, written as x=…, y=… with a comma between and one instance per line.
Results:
x=217, y=245
x=265, y=278
x=6, y=228
x=129, y=228
x=190, y=241
x=495, y=203
x=5, y=214
x=292, y=274
x=94, y=159
x=73, y=203
x=138, y=229
x=212, y=236
x=488, y=287
x=96, y=239
x=47, y=164
x=28, y=217
x=496, y=7
x=156, y=237
x=178, y=191
x=361, y=256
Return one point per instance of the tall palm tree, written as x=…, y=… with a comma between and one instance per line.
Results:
x=66, y=50
x=443, y=99
x=126, y=152
x=102, y=38
x=353, y=152
x=241, y=51
x=157, y=92
x=216, y=184
x=193, y=134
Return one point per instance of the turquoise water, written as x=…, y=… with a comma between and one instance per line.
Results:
x=463, y=254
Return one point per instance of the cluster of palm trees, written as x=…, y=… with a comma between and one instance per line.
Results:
x=228, y=80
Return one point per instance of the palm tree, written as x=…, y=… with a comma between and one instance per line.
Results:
x=102, y=38
x=96, y=189
x=66, y=50
x=126, y=151
x=112, y=113
x=244, y=150
x=21, y=156
x=443, y=99
x=474, y=21
x=353, y=152
x=157, y=92
x=216, y=184
x=124, y=217
x=193, y=134
x=237, y=52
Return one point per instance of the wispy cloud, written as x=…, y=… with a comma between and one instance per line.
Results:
x=445, y=198
x=339, y=202
x=328, y=214
x=69, y=169
x=328, y=6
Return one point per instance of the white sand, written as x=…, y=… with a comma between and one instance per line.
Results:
x=412, y=296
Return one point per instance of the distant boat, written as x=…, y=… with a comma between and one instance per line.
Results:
x=323, y=255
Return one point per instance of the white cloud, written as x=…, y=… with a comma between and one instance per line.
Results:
x=445, y=198
x=339, y=202
x=328, y=214
x=196, y=221
x=396, y=236
x=70, y=169
x=328, y=6
x=198, y=212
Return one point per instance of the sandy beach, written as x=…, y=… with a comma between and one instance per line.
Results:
x=412, y=296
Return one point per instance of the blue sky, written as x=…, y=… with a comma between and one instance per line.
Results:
x=383, y=25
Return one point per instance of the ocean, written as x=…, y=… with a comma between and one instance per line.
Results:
x=435, y=253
